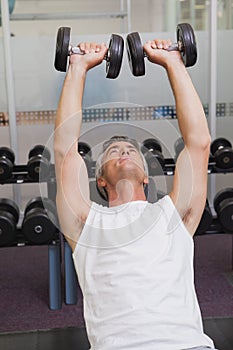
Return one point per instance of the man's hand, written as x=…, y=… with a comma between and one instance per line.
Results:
x=93, y=55
x=156, y=51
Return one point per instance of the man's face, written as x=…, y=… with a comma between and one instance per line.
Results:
x=122, y=160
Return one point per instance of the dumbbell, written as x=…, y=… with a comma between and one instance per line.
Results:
x=186, y=45
x=64, y=49
x=223, y=205
x=40, y=221
x=222, y=151
x=160, y=194
x=9, y=216
x=85, y=151
x=152, y=151
x=205, y=221
x=7, y=159
x=178, y=147
x=38, y=165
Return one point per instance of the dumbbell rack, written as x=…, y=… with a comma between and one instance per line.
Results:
x=20, y=176
x=169, y=169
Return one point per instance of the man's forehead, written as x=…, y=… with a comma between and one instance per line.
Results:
x=120, y=143
x=113, y=141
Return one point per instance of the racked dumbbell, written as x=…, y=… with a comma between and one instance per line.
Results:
x=7, y=159
x=152, y=194
x=178, y=146
x=38, y=165
x=160, y=194
x=222, y=151
x=96, y=195
x=64, y=49
x=186, y=45
x=206, y=220
x=40, y=223
x=152, y=150
x=9, y=216
x=85, y=151
x=223, y=205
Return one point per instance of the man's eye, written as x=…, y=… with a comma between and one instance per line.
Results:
x=113, y=151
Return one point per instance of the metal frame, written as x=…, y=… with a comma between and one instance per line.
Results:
x=10, y=88
x=56, y=16
x=125, y=12
x=212, y=82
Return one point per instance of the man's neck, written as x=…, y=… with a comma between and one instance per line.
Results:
x=125, y=192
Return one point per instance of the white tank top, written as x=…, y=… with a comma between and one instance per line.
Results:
x=135, y=267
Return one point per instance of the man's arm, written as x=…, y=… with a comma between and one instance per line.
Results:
x=190, y=180
x=73, y=198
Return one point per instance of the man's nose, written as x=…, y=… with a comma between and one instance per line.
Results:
x=124, y=151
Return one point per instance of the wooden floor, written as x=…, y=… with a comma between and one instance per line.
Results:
x=219, y=329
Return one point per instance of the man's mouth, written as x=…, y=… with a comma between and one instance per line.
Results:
x=123, y=159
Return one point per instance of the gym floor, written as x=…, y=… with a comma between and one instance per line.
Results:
x=219, y=329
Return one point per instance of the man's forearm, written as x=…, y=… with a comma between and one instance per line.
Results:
x=69, y=113
x=191, y=117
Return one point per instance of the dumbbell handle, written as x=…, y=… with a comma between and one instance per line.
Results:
x=76, y=50
x=173, y=47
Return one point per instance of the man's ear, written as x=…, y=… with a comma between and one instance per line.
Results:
x=101, y=182
x=146, y=180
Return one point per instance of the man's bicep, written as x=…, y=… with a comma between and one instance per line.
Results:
x=190, y=186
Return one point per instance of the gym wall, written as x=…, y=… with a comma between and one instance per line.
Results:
x=38, y=86
x=142, y=16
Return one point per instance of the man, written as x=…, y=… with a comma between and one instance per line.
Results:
x=134, y=259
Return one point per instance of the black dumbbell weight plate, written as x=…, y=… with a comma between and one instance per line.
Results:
x=7, y=159
x=226, y=193
x=86, y=153
x=160, y=194
x=224, y=158
x=151, y=145
x=42, y=203
x=219, y=142
x=223, y=205
x=84, y=148
x=62, y=48
x=38, y=227
x=225, y=214
x=7, y=229
x=155, y=162
x=38, y=168
x=10, y=206
x=179, y=145
x=49, y=206
x=185, y=36
x=153, y=154
x=40, y=220
x=135, y=54
x=9, y=216
x=40, y=150
x=114, y=56
x=206, y=220
x=39, y=163
x=221, y=149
